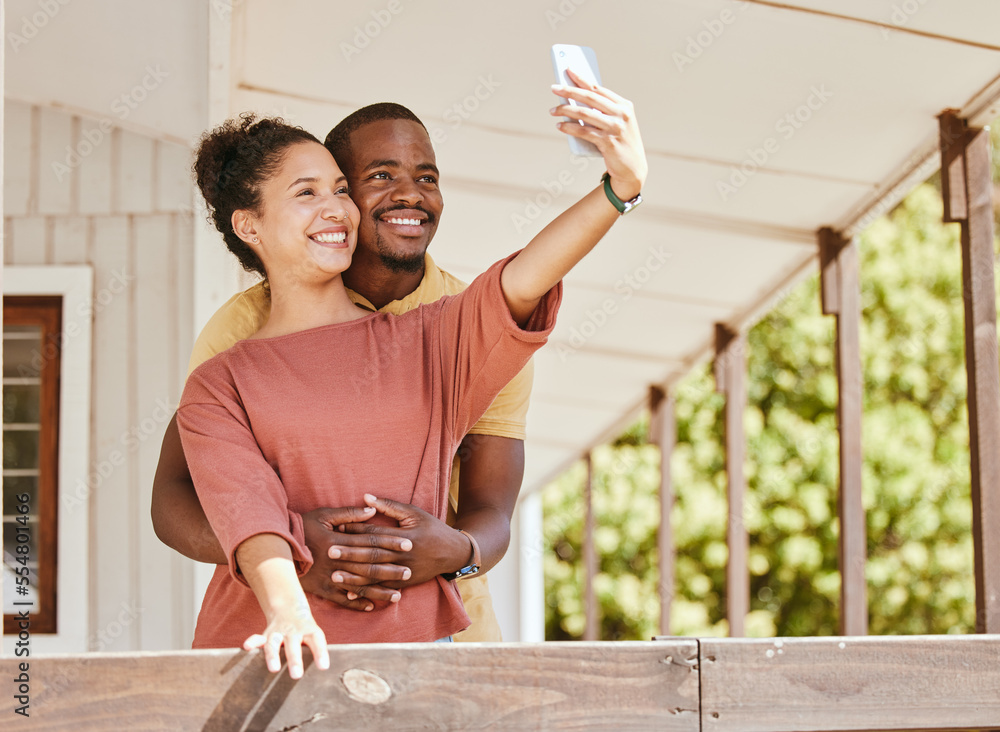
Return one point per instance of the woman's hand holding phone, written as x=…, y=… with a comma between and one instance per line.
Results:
x=610, y=125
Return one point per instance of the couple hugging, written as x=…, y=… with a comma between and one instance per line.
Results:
x=312, y=452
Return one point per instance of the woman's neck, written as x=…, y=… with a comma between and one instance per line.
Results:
x=298, y=306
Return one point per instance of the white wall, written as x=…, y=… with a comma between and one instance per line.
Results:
x=517, y=582
x=81, y=190
x=141, y=64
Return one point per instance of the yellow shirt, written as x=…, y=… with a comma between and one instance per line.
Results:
x=245, y=313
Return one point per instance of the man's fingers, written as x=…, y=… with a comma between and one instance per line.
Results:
x=366, y=554
x=356, y=587
x=393, y=509
x=333, y=517
x=381, y=537
x=360, y=604
x=366, y=574
x=374, y=592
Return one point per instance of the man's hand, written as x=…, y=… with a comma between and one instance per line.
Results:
x=442, y=548
x=348, y=567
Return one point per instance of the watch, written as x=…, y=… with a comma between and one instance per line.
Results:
x=474, y=562
x=623, y=206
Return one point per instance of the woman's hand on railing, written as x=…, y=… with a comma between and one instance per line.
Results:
x=291, y=627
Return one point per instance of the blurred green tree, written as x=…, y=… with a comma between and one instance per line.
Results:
x=916, y=466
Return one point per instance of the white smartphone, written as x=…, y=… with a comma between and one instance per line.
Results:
x=582, y=61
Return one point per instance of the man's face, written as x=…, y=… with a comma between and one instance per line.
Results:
x=394, y=182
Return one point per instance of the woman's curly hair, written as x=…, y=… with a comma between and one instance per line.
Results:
x=232, y=162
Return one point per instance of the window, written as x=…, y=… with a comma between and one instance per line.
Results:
x=32, y=345
x=31, y=365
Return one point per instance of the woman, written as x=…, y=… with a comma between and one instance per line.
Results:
x=264, y=423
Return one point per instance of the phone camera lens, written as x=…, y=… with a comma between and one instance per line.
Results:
x=562, y=54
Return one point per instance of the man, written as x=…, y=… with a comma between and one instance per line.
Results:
x=386, y=154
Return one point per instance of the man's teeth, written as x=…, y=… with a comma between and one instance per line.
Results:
x=338, y=238
x=405, y=222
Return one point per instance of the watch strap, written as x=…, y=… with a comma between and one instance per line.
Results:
x=475, y=561
x=623, y=206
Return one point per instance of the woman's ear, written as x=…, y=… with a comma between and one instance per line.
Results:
x=245, y=227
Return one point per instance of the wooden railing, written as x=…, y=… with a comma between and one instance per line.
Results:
x=839, y=683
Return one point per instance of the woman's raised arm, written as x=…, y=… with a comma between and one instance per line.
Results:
x=612, y=127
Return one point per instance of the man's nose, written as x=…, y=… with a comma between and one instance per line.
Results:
x=407, y=191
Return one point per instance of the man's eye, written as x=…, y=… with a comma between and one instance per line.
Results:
x=428, y=179
x=381, y=176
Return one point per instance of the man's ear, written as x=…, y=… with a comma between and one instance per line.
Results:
x=245, y=227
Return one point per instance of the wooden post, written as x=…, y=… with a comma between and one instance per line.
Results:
x=967, y=189
x=730, y=379
x=663, y=432
x=592, y=626
x=841, y=296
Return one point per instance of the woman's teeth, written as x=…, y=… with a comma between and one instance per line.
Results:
x=338, y=238
x=405, y=222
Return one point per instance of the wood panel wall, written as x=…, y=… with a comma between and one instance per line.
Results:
x=83, y=191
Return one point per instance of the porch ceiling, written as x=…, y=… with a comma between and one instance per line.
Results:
x=713, y=83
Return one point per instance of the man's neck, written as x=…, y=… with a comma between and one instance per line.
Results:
x=375, y=282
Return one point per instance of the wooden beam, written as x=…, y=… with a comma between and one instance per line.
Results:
x=676, y=684
x=663, y=433
x=730, y=379
x=502, y=686
x=969, y=201
x=841, y=293
x=592, y=626
x=844, y=683
x=951, y=137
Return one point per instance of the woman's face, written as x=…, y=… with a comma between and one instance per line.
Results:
x=308, y=225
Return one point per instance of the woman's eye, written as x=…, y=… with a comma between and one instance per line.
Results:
x=305, y=192
x=342, y=189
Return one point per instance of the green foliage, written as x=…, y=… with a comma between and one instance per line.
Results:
x=916, y=474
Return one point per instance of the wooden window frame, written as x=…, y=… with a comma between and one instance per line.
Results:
x=75, y=284
x=44, y=311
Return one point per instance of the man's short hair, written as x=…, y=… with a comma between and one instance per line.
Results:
x=338, y=142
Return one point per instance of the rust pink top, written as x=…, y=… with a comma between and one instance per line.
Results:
x=275, y=427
